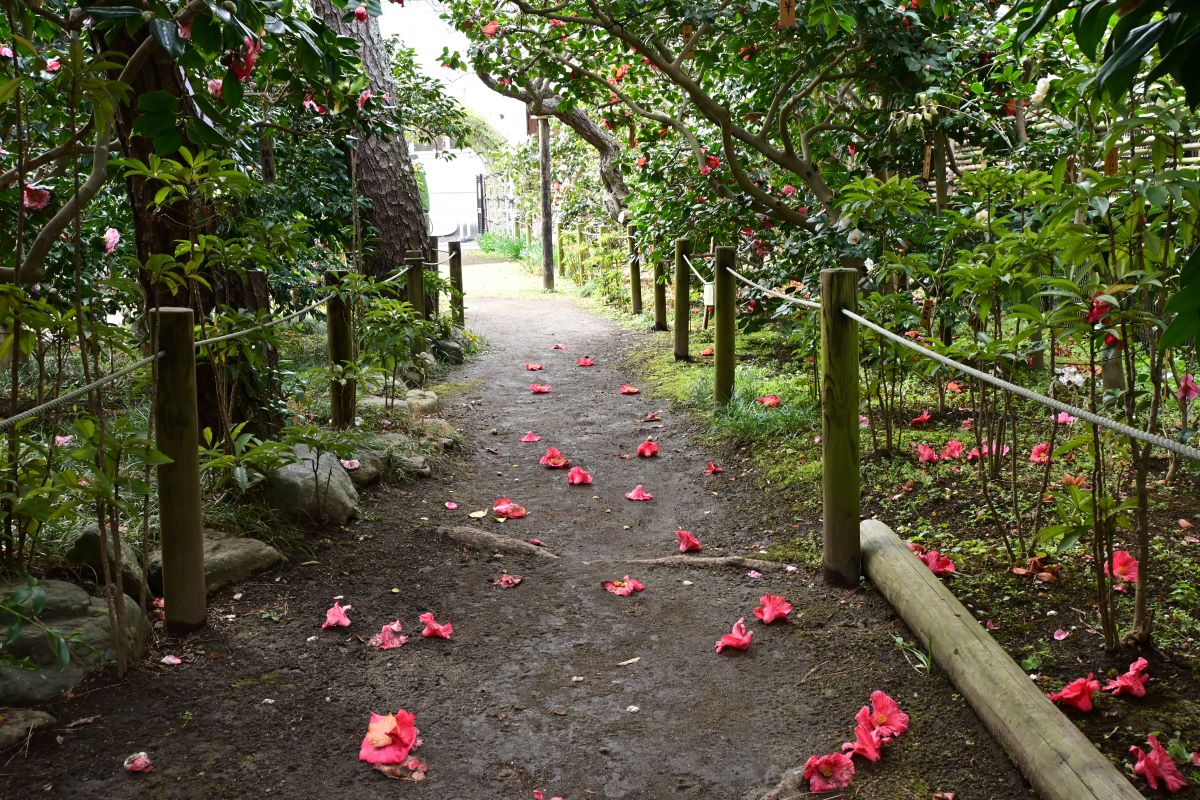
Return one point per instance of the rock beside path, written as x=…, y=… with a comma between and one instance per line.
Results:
x=370, y=468
x=422, y=401
x=85, y=553
x=228, y=560
x=18, y=723
x=328, y=495
x=77, y=614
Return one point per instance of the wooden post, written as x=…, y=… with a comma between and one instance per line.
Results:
x=558, y=249
x=529, y=229
x=635, y=273
x=342, y=390
x=583, y=250
x=516, y=226
x=547, y=225
x=660, y=291
x=413, y=259
x=839, y=426
x=177, y=436
x=683, y=298
x=725, y=308
x=456, y=283
x=433, y=302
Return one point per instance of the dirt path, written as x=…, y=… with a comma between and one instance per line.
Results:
x=531, y=691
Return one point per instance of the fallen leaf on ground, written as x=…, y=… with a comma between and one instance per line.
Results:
x=629, y=661
x=477, y=514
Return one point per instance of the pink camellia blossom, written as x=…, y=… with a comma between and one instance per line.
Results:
x=1188, y=390
x=926, y=454
x=737, y=639
x=1123, y=568
x=243, y=64
x=53, y=65
x=138, y=762
x=1157, y=766
x=533, y=367
x=5, y=51
x=506, y=508
x=1098, y=311
x=214, y=87
x=185, y=30
x=554, y=459
x=627, y=389
x=712, y=468
x=1060, y=635
x=967, y=424
x=558, y=346
x=112, y=237
x=867, y=740
x=584, y=362
x=772, y=607
x=507, y=581
x=769, y=400
x=688, y=543
x=864, y=421
x=953, y=449
x=490, y=29
x=537, y=793
x=311, y=104
x=938, y=564
x=363, y=98
x=539, y=388
x=335, y=617
x=886, y=717
x=647, y=449
x=63, y=441
x=624, y=587
x=450, y=504
x=1040, y=454
x=1078, y=693
x=361, y=14
x=35, y=199
x=642, y=161
x=390, y=738
x=389, y=637
x=531, y=437
x=1133, y=682
x=1063, y=418
x=350, y=464
x=434, y=629
x=638, y=493
x=788, y=190
x=171, y=661
x=578, y=476
x=954, y=388
x=828, y=772
x=708, y=351
x=920, y=420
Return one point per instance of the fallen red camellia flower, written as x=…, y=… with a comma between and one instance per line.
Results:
x=554, y=459
x=712, y=468
x=937, y=563
x=920, y=420
x=507, y=581
x=688, y=543
x=434, y=629
x=772, y=607
x=584, y=362
x=769, y=400
x=537, y=793
x=138, y=762
x=578, y=476
x=1123, y=568
x=536, y=542
x=506, y=508
x=1157, y=766
x=531, y=437
x=647, y=449
x=559, y=346
x=627, y=389
x=868, y=741
x=390, y=738
x=1078, y=693
x=708, y=351
x=533, y=367
x=638, y=493
x=1132, y=682
x=737, y=639
x=885, y=716
x=828, y=772
x=388, y=637
x=539, y=388
x=624, y=587
x=335, y=617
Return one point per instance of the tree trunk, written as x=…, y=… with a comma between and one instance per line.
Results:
x=385, y=172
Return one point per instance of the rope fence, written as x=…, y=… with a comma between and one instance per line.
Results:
x=63, y=399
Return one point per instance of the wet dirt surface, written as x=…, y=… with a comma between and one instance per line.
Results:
x=530, y=692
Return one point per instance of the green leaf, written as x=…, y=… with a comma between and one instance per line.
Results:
x=114, y=12
x=166, y=33
x=232, y=90
x=8, y=88
x=62, y=650
x=158, y=102
x=1091, y=23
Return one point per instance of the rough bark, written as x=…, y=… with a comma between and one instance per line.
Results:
x=385, y=172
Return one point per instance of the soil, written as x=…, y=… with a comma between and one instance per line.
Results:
x=534, y=689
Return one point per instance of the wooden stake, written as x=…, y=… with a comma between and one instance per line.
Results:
x=683, y=298
x=839, y=426
x=339, y=327
x=433, y=301
x=725, y=307
x=456, y=283
x=558, y=249
x=177, y=436
x=660, y=291
x=635, y=273
x=547, y=205
x=416, y=281
x=579, y=265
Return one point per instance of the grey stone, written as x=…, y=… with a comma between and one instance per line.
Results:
x=72, y=611
x=228, y=560
x=422, y=401
x=370, y=468
x=411, y=464
x=17, y=723
x=329, y=496
x=85, y=552
x=449, y=350
x=439, y=429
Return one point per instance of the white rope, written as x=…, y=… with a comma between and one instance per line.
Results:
x=785, y=297
x=695, y=271
x=1021, y=391
x=82, y=390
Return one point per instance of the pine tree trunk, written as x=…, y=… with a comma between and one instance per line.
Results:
x=385, y=171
